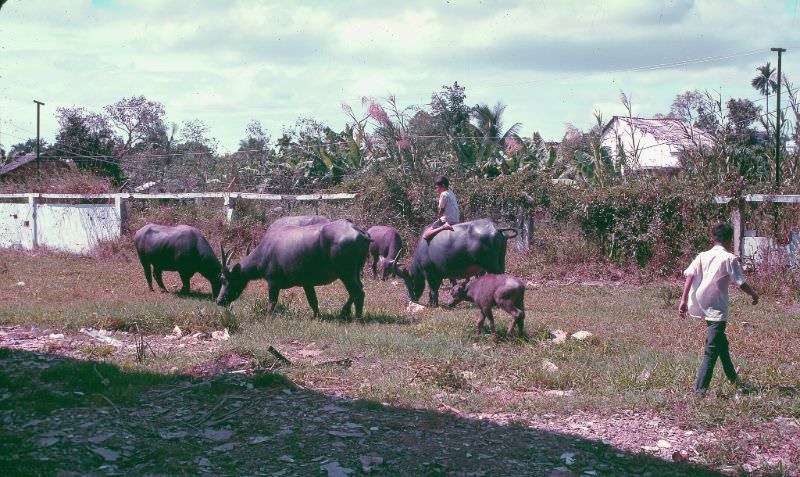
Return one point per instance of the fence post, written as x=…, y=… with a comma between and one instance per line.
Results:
x=229, y=203
x=524, y=228
x=121, y=207
x=33, y=203
x=738, y=226
x=525, y=222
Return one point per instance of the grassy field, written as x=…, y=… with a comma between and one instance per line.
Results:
x=394, y=367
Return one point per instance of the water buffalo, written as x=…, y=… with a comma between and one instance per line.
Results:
x=181, y=249
x=298, y=220
x=306, y=256
x=384, y=249
x=469, y=249
x=488, y=291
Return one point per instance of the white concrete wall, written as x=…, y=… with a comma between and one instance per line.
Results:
x=77, y=228
x=16, y=225
x=766, y=250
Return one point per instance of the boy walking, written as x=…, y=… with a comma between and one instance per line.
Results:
x=705, y=295
x=448, y=209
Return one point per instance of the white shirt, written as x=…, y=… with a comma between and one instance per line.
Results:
x=712, y=270
x=447, y=201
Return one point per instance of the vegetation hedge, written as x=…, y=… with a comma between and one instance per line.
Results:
x=655, y=224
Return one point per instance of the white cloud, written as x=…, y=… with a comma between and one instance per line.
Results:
x=226, y=63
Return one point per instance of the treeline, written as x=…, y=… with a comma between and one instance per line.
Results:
x=131, y=142
x=574, y=189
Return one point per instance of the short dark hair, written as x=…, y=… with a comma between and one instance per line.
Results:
x=722, y=232
x=442, y=181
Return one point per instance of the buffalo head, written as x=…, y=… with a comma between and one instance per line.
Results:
x=415, y=282
x=458, y=293
x=386, y=266
x=233, y=281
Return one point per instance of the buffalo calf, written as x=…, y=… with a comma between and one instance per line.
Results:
x=488, y=291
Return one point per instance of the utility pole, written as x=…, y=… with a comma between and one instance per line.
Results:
x=778, y=123
x=39, y=104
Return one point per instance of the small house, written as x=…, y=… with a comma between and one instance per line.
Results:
x=650, y=144
x=24, y=166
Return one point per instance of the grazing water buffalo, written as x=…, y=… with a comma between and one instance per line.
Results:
x=181, y=249
x=306, y=256
x=384, y=249
x=469, y=249
x=491, y=290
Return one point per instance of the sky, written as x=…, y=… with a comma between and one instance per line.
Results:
x=226, y=63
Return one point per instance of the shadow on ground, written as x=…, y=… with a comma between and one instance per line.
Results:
x=68, y=417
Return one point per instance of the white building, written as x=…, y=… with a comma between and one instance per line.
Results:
x=650, y=144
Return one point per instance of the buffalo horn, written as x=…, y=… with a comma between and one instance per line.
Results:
x=223, y=257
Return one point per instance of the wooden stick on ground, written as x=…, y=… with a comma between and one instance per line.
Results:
x=278, y=355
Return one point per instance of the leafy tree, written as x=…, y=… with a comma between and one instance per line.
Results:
x=87, y=139
x=25, y=147
x=596, y=166
x=765, y=84
x=582, y=157
x=194, y=158
x=256, y=141
x=696, y=109
x=135, y=118
x=736, y=150
x=451, y=119
x=494, y=141
x=449, y=110
x=742, y=113
x=311, y=154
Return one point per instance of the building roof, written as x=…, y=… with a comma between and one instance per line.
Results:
x=47, y=162
x=17, y=162
x=668, y=131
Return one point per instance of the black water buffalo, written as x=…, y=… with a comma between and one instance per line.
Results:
x=181, y=249
x=307, y=256
x=467, y=250
x=298, y=220
x=384, y=249
x=490, y=290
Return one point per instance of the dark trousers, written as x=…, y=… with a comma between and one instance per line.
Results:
x=716, y=347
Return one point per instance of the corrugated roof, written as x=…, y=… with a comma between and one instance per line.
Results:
x=665, y=130
x=19, y=161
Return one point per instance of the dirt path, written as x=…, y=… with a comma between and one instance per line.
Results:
x=247, y=426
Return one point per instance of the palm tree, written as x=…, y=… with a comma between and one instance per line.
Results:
x=765, y=84
x=489, y=126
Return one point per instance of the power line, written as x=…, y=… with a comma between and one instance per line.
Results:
x=637, y=69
